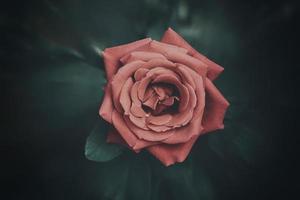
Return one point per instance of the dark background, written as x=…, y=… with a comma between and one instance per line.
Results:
x=51, y=79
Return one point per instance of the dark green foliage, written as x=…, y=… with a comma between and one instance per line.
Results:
x=97, y=149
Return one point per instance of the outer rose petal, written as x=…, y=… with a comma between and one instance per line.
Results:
x=113, y=55
x=122, y=128
x=107, y=106
x=114, y=137
x=177, y=56
x=140, y=55
x=171, y=37
x=168, y=154
x=215, y=108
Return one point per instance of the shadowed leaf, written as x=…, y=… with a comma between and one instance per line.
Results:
x=97, y=149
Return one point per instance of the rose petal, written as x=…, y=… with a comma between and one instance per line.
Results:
x=168, y=154
x=137, y=110
x=152, y=102
x=147, y=135
x=138, y=121
x=112, y=55
x=134, y=94
x=143, y=144
x=159, y=108
x=185, y=75
x=114, y=137
x=191, y=62
x=159, y=120
x=184, y=94
x=140, y=55
x=171, y=37
x=142, y=86
x=185, y=133
x=180, y=57
x=119, y=80
x=184, y=117
x=154, y=72
x=214, y=70
x=158, y=62
x=140, y=73
x=169, y=101
x=162, y=92
x=216, y=106
x=200, y=94
x=148, y=94
x=136, y=106
x=107, y=105
x=122, y=128
x=129, y=137
x=193, y=98
x=125, y=96
x=159, y=128
x=181, y=119
x=163, y=47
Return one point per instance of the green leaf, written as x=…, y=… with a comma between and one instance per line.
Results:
x=97, y=149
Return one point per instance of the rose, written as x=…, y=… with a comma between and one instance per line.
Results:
x=160, y=96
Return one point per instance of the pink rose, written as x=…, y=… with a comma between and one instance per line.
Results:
x=160, y=96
